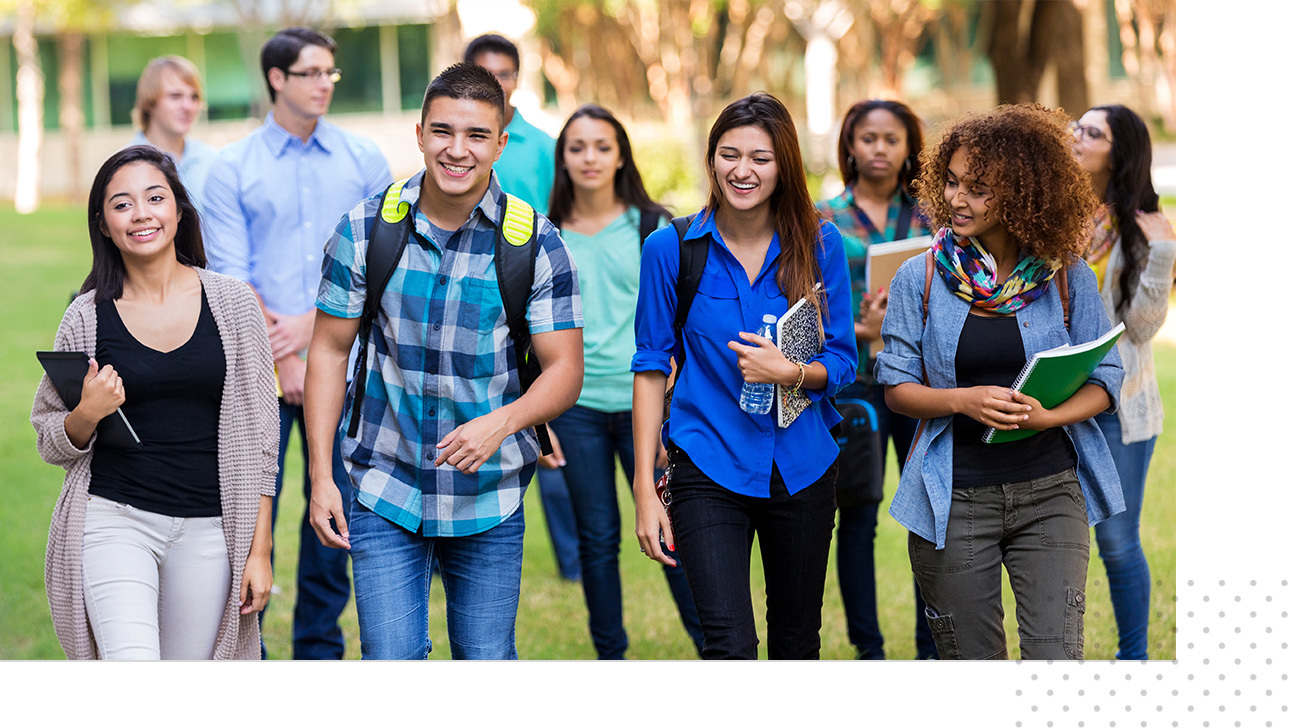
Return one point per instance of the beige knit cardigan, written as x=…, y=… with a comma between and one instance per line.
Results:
x=247, y=446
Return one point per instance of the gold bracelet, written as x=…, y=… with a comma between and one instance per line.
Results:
x=800, y=381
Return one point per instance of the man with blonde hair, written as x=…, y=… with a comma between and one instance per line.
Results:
x=168, y=100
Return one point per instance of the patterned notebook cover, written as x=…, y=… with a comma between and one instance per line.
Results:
x=800, y=340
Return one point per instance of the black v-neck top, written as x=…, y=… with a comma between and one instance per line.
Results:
x=991, y=352
x=173, y=402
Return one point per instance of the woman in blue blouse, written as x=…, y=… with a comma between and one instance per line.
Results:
x=1012, y=208
x=599, y=203
x=736, y=475
x=880, y=157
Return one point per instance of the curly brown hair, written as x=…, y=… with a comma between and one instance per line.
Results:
x=1022, y=152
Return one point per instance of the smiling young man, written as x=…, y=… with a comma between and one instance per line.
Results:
x=525, y=169
x=444, y=446
x=272, y=197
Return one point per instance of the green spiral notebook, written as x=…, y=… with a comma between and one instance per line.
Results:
x=1054, y=375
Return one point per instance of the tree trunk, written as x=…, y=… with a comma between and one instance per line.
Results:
x=31, y=102
x=71, y=112
x=1021, y=51
x=1057, y=37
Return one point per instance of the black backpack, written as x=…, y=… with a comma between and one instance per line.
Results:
x=515, y=249
x=692, y=255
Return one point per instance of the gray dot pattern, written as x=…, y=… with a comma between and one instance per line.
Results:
x=1232, y=670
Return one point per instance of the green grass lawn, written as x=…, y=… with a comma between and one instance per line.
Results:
x=47, y=256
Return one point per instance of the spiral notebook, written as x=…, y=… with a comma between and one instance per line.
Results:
x=800, y=339
x=1054, y=375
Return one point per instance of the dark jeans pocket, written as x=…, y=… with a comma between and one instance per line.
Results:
x=1075, y=607
x=958, y=553
x=941, y=628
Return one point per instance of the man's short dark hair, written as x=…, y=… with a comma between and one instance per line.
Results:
x=465, y=81
x=284, y=49
x=491, y=43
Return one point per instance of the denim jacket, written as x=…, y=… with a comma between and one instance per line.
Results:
x=924, y=495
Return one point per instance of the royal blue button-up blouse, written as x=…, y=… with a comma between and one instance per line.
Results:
x=735, y=449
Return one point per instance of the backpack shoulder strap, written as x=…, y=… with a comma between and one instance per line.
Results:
x=925, y=297
x=386, y=241
x=692, y=255
x=1062, y=287
x=647, y=224
x=516, y=246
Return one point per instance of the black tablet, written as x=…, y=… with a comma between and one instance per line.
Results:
x=66, y=369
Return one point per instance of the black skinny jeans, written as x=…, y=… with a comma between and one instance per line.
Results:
x=714, y=529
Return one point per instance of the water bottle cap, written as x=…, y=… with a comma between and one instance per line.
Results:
x=770, y=318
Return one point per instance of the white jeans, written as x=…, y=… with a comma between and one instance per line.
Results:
x=155, y=586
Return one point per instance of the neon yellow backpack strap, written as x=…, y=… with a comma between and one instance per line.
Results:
x=393, y=209
x=518, y=221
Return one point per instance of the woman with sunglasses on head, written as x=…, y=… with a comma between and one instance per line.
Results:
x=1132, y=250
x=734, y=474
x=162, y=550
x=602, y=209
x=1003, y=280
x=880, y=156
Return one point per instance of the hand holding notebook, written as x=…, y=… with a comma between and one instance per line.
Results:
x=67, y=370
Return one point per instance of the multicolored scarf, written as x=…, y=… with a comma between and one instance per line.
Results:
x=970, y=272
x=1104, y=235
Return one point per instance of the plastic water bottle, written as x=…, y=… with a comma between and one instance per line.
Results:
x=757, y=397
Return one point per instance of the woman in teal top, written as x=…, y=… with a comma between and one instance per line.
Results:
x=600, y=205
x=880, y=157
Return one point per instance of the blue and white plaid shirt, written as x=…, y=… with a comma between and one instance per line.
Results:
x=442, y=360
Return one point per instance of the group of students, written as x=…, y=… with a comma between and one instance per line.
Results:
x=455, y=333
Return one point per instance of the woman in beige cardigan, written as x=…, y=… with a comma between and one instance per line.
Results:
x=160, y=551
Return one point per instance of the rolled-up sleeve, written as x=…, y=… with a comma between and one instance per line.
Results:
x=1087, y=322
x=654, y=317
x=901, y=359
x=840, y=349
x=342, y=288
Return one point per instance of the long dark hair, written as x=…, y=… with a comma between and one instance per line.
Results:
x=855, y=116
x=795, y=217
x=1129, y=190
x=107, y=271
x=629, y=186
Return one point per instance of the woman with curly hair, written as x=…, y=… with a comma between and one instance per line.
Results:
x=1012, y=210
x=737, y=475
x=1132, y=251
x=880, y=156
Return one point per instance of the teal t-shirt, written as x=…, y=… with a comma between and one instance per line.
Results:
x=608, y=263
x=527, y=164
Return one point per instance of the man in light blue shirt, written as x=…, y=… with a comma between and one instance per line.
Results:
x=273, y=198
x=168, y=99
x=526, y=170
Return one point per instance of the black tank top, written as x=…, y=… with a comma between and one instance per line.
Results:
x=173, y=402
x=991, y=352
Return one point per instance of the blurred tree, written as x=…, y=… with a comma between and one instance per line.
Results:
x=1148, y=32
x=1027, y=37
x=822, y=23
x=69, y=19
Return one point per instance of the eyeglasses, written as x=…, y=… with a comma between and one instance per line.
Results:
x=505, y=76
x=1090, y=133
x=316, y=74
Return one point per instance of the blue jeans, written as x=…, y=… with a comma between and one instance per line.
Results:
x=323, y=586
x=559, y=514
x=714, y=529
x=856, y=544
x=591, y=441
x=1118, y=539
x=482, y=578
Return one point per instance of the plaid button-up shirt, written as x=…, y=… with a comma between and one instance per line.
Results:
x=440, y=355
